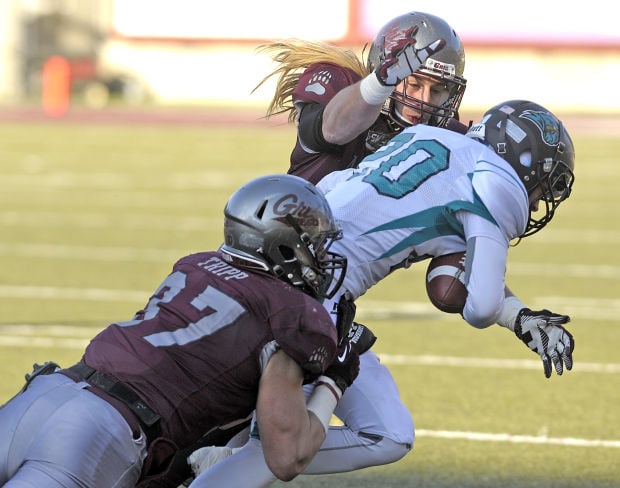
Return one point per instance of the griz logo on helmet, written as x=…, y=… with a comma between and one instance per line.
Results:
x=290, y=205
x=547, y=124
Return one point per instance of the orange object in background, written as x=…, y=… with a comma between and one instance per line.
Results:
x=56, y=86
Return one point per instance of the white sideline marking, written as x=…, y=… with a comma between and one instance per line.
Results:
x=77, y=337
x=586, y=308
x=99, y=220
x=462, y=362
x=91, y=253
x=56, y=293
x=54, y=330
x=121, y=254
x=517, y=439
x=43, y=342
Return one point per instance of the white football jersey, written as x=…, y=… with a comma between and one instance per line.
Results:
x=429, y=192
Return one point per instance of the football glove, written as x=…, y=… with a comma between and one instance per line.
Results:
x=402, y=59
x=543, y=333
x=345, y=368
x=359, y=335
x=361, y=338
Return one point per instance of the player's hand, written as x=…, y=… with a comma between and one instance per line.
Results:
x=361, y=337
x=543, y=333
x=345, y=368
x=402, y=59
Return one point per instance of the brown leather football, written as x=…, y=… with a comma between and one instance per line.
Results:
x=445, y=282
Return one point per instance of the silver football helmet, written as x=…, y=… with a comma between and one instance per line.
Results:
x=282, y=225
x=538, y=147
x=446, y=65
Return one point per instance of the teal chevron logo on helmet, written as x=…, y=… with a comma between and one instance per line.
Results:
x=547, y=124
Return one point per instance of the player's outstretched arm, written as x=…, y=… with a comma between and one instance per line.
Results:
x=347, y=115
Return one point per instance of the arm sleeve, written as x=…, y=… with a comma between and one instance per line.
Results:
x=487, y=251
x=310, y=129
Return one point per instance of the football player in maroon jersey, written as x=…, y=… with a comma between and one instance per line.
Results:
x=345, y=108
x=226, y=333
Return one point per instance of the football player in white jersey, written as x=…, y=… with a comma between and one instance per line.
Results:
x=431, y=192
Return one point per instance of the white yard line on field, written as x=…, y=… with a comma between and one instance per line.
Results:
x=102, y=220
x=496, y=363
x=65, y=336
x=121, y=254
x=89, y=253
x=577, y=307
x=88, y=294
x=516, y=439
x=43, y=342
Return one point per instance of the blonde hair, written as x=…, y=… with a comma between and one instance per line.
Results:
x=294, y=56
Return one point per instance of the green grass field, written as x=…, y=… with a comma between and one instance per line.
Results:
x=92, y=217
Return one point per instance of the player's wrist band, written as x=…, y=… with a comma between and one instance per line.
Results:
x=331, y=384
x=373, y=92
x=510, y=310
x=323, y=400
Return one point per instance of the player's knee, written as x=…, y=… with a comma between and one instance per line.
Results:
x=398, y=450
x=385, y=450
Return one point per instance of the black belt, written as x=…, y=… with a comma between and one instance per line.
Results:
x=147, y=417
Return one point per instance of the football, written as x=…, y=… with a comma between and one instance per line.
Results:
x=445, y=282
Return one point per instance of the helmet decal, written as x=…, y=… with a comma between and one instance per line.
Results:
x=281, y=224
x=290, y=204
x=547, y=124
x=448, y=69
x=515, y=132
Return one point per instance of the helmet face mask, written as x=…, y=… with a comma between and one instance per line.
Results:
x=555, y=181
x=447, y=93
x=282, y=225
x=445, y=68
x=538, y=147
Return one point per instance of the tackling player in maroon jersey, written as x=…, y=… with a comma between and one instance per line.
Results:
x=226, y=333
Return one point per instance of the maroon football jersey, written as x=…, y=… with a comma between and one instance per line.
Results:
x=318, y=84
x=195, y=353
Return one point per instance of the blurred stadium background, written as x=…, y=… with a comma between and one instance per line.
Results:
x=92, y=215
x=192, y=52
